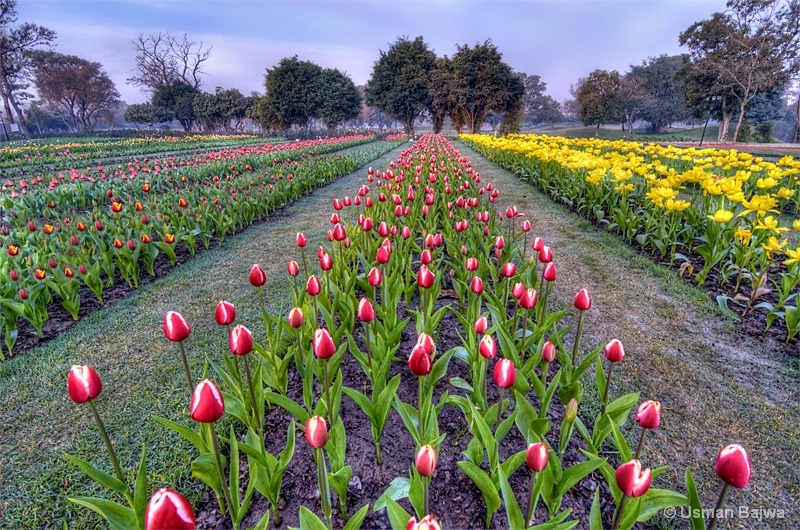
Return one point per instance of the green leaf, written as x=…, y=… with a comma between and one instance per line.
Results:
x=98, y=475
x=514, y=514
x=204, y=467
x=595, y=517
x=287, y=404
x=484, y=484
x=461, y=383
x=140, y=489
x=656, y=500
x=576, y=473
x=696, y=520
x=398, y=517
x=263, y=523
x=309, y=520
x=118, y=517
x=357, y=518
x=190, y=434
x=397, y=490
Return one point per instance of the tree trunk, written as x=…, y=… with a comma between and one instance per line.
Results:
x=796, y=136
x=23, y=125
x=739, y=121
x=597, y=131
x=724, y=125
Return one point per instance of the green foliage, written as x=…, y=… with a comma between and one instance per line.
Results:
x=400, y=80
x=176, y=101
x=660, y=96
x=294, y=91
x=601, y=99
x=146, y=113
x=341, y=100
x=216, y=111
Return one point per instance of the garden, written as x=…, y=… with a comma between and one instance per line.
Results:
x=361, y=333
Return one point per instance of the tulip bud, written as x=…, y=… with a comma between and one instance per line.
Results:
x=207, y=404
x=419, y=362
x=426, y=523
x=480, y=325
x=550, y=272
x=548, y=352
x=83, y=269
x=488, y=347
x=365, y=311
x=536, y=457
x=631, y=480
x=571, y=411
x=426, y=341
x=83, y=384
x=425, y=277
x=14, y=275
x=323, y=345
x=500, y=242
x=292, y=268
x=316, y=432
x=300, y=239
x=176, y=328
x=225, y=313
x=472, y=264
x=374, y=277
x=518, y=290
x=296, y=318
x=326, y=262
x=169, y=509
x=426, y=257
x=733, y=466
x=257, y=276
x=240, y=340
x=528, y=299
x=614, y=351
x=426, y=460
x=545, y=255
x=504, y=374
x=526, y=226
x=509, y=269
x=313, y=286
x=476, y=285
x=31, y=226
x=583, y=300
x=648, y=415
x=382, y=255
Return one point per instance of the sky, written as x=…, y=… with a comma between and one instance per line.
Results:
x=559, y=40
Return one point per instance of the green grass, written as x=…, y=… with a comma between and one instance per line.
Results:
x=141, y=371
x=715, y=387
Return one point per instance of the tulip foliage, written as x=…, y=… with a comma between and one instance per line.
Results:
x=89, y=227
x=415, y=243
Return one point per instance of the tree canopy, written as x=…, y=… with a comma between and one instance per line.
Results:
x=601, y=99
x=177, y=101
x=216, y=111
x=399, y=85
x=341, y=100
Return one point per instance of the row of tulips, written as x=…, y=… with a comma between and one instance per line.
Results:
x=84, y=233
x=425, y=224
x=63, y=154
x=737, y=212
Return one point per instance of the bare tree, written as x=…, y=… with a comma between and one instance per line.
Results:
x=162, y=59
x=14, y=63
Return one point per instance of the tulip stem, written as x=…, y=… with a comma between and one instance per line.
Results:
x=235, y=359
x=485, y=398
x=524, y=331
x=545, y=292
x=298, y=359
x=640, y=444
x=544, y=369
x=223, y=481
x=253, y=398
x=324, y=491
x=425, y=483
x=267, y=324
x=109, y=447
x=327, y=392
x=186, y=368
x=608, y=384
x=305, y=266
x=500, y=406
x=577, y=339
x=529, y=511
x=421, y=418
x=369, y=356
x=713, y=520
x=618, y=514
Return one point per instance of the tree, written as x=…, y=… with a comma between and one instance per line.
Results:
x=294, y=90
x=653, y=93
x=163, y=59
x=146, y=114
x=533, y=98
x=43, y=120
x=443, y=101
x=482, y=83
x=177, y=102
x=79, y=88
x=216, y=111
x=601, y=99
x=549, y=112
x=341, y=100
x=750, y=48
x=15, y=71
x=399, y=82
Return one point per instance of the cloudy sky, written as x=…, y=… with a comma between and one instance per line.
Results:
x=559, y=40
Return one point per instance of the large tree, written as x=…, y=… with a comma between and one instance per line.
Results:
x=443, y=101
x=601, y=99
x=162, y=59
x=750, y=48
x=15, y=42
x=483, y=83
x=146, y=114
x=653, y=94
x=77, y=87
x=399, y=82
x=177, y=101
x=216, y=111
x=294, y=90
x=341, y=100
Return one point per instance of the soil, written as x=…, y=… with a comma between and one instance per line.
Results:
x=454, y=498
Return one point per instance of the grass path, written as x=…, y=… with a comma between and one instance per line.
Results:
x=715, y=387
x=141, y=371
